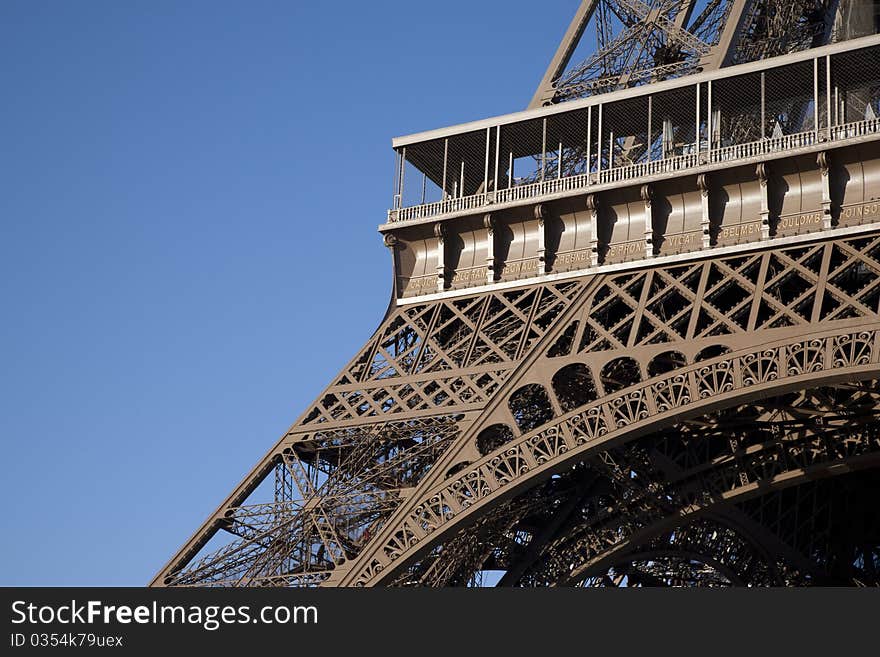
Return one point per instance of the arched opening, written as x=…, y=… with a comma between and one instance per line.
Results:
x=619, y=373
x=491, y=438
x=710, y=352
x=574, y=386
x=530, y=406
x=666, y=362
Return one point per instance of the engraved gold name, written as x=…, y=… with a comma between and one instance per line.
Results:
x=800, y=220
x=625, y=249
x=573, y=258
x=741, y=230
x=520, y=267
x=421, y=283
x=469, y=275
x=681, y=239
x=866, y=210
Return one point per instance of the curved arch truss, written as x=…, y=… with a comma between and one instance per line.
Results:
x=770, y=493
x=713, y=422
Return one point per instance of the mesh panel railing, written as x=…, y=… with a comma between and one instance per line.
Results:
x=547, y=156
x=855, y=91
x=567, y=144
x=749, y=115
x=788, y=106
x=624, y=140
x=420, y=184
x=453, y=170
x=522, y=157
x=736, y=108
x=649, y=135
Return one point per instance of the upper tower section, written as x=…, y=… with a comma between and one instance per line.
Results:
x=616, y=44
x=688, y=125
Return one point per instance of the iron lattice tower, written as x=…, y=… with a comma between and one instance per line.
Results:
x=634, y=336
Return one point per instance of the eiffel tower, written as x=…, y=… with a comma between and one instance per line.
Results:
x=634, y=335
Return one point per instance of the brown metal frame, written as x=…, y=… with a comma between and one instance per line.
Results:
x=656, y=422
x=777, y=320
x=643, y=42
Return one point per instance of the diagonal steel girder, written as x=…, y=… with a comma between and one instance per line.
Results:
x=640, y=21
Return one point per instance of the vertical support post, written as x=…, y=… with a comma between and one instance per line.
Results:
x=402, y=172
x=837, y=120
x=396, y=190
x=611, y=150
x=763, y=106
x=559, y=163
x=709, y=121
x=697, y=125
x=461, y=185
x=705, y=224
x=497, y=154
x=828, y=93
x=825, y=172
x=486, y=165
x=650, y=111
x=589, y=144
x=510, y=172
x=489, y=224
x=445, y=164
x=424, y=187
x=542, y=241
x=543, y=147
x=599, y=148
x=440, y=233
x=762, y=172
x=647, y=194
x=593, y=207
x=816, y=98
x=667, y=142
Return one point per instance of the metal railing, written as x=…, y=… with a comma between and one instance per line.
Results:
x=445, y=206
x=617, y=174
x=855, y=129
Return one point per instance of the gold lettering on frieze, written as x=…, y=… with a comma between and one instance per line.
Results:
x=628, y=248
x=575, y=258
x=513, y=268
x=679, y=240
x=469, y=275
x=860, y=211
x=421, y=283
x=799, y=220
x=741, y=230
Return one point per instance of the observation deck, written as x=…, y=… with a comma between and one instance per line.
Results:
x=738, y=156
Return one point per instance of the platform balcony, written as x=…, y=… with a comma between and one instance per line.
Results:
x=763, y=110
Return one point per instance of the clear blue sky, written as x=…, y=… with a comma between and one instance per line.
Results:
x=189, y=195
